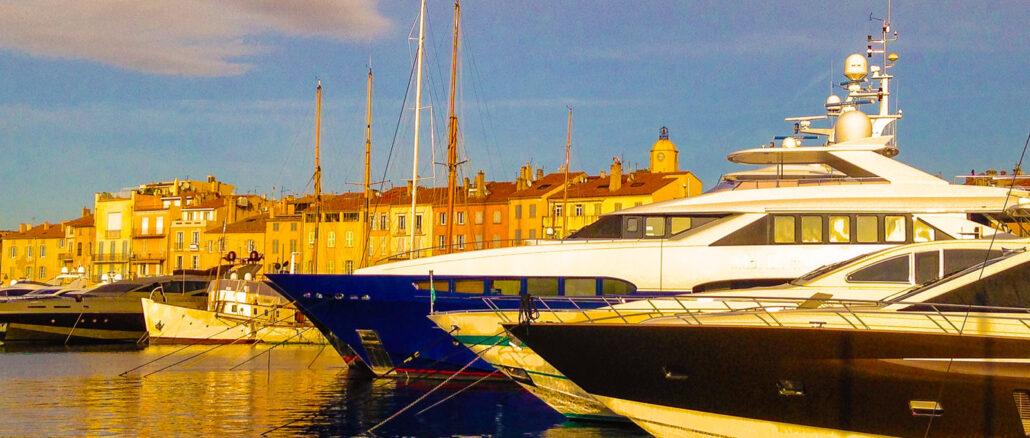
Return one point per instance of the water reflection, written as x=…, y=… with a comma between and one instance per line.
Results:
x=301, y=390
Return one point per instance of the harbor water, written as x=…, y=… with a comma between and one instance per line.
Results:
x=293, y=391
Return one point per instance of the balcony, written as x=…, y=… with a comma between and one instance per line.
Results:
x=148, y=235
x=65, y=256
x=116, y=234
x=111, y=258
x=143, y=257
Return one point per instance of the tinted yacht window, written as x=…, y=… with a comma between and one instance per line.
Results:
x=958, y=259
x=928, y=265
x=890, y=270
x=607, y=227
x=1008, y=288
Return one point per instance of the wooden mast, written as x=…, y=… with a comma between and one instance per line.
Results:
x=452, y=133
x=318, y=174
x=568, y=159
x=418, y=121
x=368, y=166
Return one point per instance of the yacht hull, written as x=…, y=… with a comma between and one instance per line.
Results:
x=680, y=379
x=168, y=324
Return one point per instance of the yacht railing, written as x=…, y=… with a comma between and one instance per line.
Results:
x=763, y=311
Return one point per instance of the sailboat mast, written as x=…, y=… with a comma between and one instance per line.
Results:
x=368, y=166
x=418, y=120
x=565, y=196
x=452, y=132
x=318, y=173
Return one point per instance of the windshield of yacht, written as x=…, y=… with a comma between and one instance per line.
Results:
x=629, y=226
x=824, y=269
x=903, y=295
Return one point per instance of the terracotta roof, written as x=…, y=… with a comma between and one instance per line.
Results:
x=41, y=231
x=253, y=224
x=544, y=185
x=634, y=184
x=82, y=222
x=496, y=191
x=400, y=196
x=499, y=191
x=147, y=203
x=351, y=201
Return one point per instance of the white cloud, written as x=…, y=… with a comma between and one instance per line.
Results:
x=181, y=37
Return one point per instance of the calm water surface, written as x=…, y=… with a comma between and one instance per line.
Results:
x=297, y=390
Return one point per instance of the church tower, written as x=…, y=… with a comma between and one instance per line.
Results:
x=664, y=156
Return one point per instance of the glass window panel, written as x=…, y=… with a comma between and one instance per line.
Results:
x=894, y=229
x=928, y=266
x=894, y=270
x=654, y=226
x=632, y=224
x=783, y=229
x=468, y=286
x=922, y=232
x=441, y=286
x=678, y=225
x=611, y=286
x=840, y=229
x=867, y=228
x=811, y=229
x=542, y=286
x=506, y=287
x=580, y=287
x=958, y=259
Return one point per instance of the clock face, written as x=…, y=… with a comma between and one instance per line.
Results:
x=661, y=156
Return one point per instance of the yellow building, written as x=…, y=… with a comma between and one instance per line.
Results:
x=283, y=237
x=527, y=206
x=113, y=223
x=36, y=252
x=340, y=235
x=664, y=155
x=79, y=239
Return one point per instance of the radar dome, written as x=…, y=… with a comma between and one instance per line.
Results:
x=855, y=67
x=852, y=125
x=833, y=99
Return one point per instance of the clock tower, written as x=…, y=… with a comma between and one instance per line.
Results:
x=664, y=156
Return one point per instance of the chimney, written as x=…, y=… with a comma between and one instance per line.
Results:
x=481, y=184
x=539, y=174
x=23, y=228
x=616, y=181
x=86, y=212
x=466, y=185
x=604, y=174
x=520, y=179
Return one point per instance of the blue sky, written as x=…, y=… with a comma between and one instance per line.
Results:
x=97, y=97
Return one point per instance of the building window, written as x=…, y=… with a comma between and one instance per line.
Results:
x=78, y=249
x=401, y=222
x=42, y=272
x=461, y=241
x=443, y=218
x=442, y=241
x=195, y=262
x=618, y=206
x=14, y=252
x=532, y=210
x=532, y=234
x=275, y=246
x=42, y=251
x=293, y=226
x=196, y=238
x=159, y=225
x=479, y=241
x=518, y=235
x=112, y=248
x=178, y=240
x=250, y=245
x=579, y=210
x=275, y=226
x=330, y=267
x=144, y=225
x=349, y=264
x=178, y=262
x=497, y=216
x=331, y=240
x=478, y=218
x=100, y=250
x=557, y=210
x=384, y=222
x=28, y=251
x=293, y=246
x=597, y=209
x=348, y=239
x=125, y=248
x=28, y=272
x=210, y=246
x=211, y=215
x=418, y=222
x=460, y=217
x=518, y=212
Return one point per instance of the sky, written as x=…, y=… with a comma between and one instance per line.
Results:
x=103, y=95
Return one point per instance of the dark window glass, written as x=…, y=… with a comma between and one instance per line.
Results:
x=928, y=266
x=441, y=286
x=958, y=259
x=891, y=270
x=506, y=287
x=580, y=287
x=611, y=286
x=755, y=233
x=1007, y=288
x=607, y=227
x=468, y=286
x=631, y=228
x=545, y=286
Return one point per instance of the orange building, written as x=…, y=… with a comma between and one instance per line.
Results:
x=480, y=216
x=527, y=206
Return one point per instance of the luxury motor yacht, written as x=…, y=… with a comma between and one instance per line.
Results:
x=948, y=359
x=870, y=277
x=810, y=205
x=239, y=311
x=110, y=312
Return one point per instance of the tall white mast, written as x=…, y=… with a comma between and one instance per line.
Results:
x=418, y=107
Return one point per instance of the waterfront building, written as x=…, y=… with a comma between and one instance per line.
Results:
x=283, y=237
x=79, y=239
x=527, y=206
x=113, y=225
x=36, y=253
x=340, y=234
x=480, y=216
